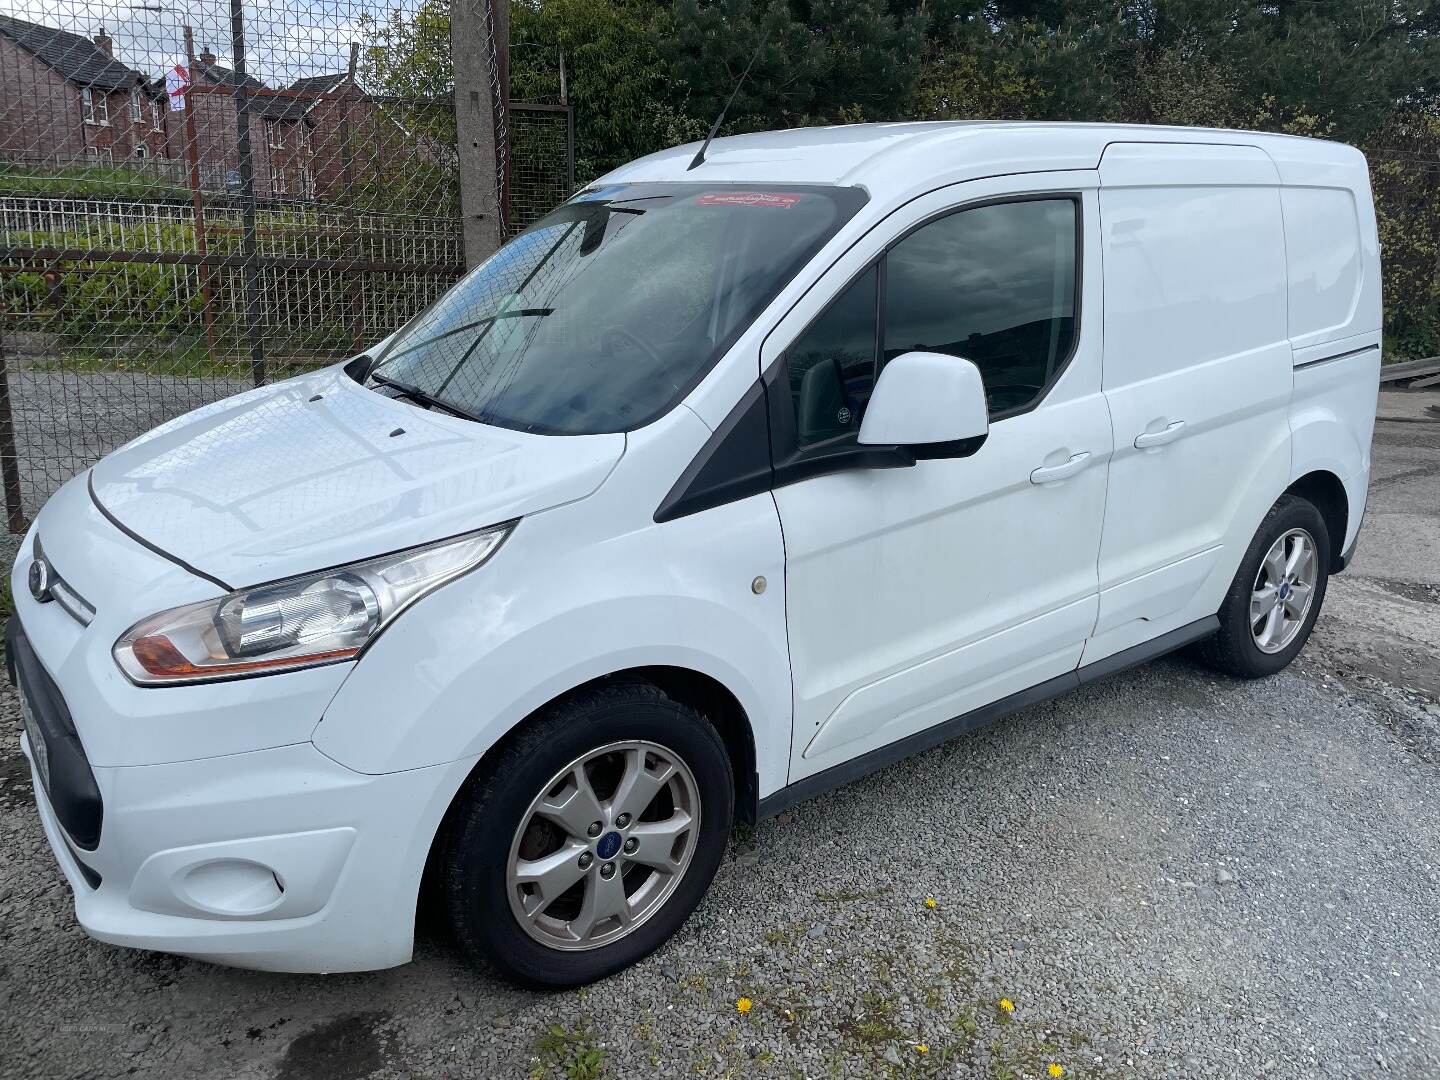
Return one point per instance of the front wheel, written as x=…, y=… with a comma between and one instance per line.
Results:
x=1276, y=595
x=591, y=836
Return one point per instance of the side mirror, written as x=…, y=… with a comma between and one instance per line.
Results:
x=930, y=403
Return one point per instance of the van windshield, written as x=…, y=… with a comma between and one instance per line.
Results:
x=606, y=312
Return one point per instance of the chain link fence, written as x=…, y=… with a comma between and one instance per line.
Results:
x=216, y=194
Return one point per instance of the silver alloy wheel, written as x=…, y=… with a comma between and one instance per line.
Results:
x=1284, y=590
x=603, y=845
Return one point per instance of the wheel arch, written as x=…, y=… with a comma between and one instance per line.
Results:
x=702, y=692
x=1326, y=492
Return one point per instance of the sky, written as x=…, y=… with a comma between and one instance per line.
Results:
x=285, y=39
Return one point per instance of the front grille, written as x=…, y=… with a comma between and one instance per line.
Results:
x=63, y=593
x=67, y=779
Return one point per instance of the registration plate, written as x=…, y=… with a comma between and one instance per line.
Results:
x=39, y=752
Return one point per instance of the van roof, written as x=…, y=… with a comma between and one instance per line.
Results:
x=880, y=156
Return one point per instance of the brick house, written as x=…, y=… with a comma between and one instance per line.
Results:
x=321, y=137
x=279, y=137
x=330, y=103
x=65, y=98
x=359, y=146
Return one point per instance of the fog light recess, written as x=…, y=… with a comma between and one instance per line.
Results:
x=232, y=887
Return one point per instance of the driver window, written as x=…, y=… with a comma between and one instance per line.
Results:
x=995, y=285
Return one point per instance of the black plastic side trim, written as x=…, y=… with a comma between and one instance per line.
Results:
x=949, y=451
x=1337, y=356
x=842, y=459
x=358, y=367
x=90, y=486
x=1348, y=555
x=733, y=464
x=92, y=877
x=1149, y=650
x=70, y=785
x=865, y=764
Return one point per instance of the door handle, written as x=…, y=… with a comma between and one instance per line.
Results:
x=1048, y=474
x=1147, y=439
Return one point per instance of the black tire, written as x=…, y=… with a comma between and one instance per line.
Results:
x=488, y=811
x=1233, y=648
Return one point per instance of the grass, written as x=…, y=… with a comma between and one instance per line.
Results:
x=570, y=1052
x=86, y=182
x=186, y=362
x=876, y=1022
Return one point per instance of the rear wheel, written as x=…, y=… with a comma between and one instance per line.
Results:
x=1276, y=595
x=591, y=837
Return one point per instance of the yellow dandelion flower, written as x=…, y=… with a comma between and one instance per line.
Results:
x=1007, y=1005
x=1056, y=1069
x=922, y=1048
x=931, y=903
x=744, y=1005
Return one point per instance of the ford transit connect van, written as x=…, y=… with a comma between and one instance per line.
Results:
x=717, y=487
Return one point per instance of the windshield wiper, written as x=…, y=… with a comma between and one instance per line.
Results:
x=420, y=397
x=485, y=321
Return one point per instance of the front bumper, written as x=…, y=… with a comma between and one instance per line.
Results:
x=281, y=859
x=201, y=819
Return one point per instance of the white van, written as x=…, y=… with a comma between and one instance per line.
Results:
x=719, y=486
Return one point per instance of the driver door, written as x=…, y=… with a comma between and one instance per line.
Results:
x=914, y=595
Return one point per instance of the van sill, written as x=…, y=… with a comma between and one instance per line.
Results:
x=847, y=771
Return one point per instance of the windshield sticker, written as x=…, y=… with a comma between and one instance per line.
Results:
x=749, y=198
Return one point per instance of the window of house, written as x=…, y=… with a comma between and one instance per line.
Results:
x=95, y=107
x=137, y=106
x=277, y=183
x=140, y=152
x=157, y=115
x=277, y=136
x=993, y=284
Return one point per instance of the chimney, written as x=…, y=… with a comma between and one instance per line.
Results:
x=102, y=39
x=206, y=56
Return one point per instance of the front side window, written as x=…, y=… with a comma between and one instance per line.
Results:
x=604, y=313
x=137, y=104
x=993, y=284
x=831, y=366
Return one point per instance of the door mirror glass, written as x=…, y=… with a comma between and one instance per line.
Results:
x=932, y=403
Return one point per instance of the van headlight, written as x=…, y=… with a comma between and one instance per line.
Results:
x=319, y=618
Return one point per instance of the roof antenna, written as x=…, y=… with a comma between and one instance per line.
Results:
x=700, y=154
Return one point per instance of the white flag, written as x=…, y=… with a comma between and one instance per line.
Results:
x=177, y=81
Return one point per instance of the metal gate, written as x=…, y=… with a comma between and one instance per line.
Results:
x=177, y=225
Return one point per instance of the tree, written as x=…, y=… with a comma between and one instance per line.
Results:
x=617, y=80
x=825, y=60
x=617, y=77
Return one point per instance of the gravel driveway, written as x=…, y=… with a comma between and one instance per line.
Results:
x=1168, y=873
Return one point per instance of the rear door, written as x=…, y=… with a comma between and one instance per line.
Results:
x=1197, y=373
